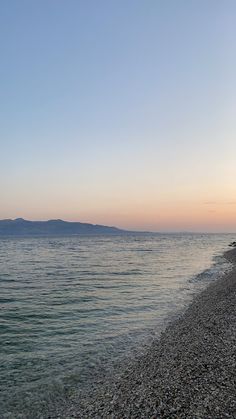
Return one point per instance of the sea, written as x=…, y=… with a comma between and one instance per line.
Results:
x=74, y=308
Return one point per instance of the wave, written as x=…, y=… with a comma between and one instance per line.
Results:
x=219, y=267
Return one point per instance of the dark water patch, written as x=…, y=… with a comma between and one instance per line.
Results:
x=6, y=300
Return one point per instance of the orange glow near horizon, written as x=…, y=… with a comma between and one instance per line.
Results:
x=172, y=216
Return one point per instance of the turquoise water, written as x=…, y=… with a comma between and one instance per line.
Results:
x=71, y=307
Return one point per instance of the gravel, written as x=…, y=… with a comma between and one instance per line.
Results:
x=189, y=372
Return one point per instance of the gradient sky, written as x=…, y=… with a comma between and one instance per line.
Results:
x=119, y=112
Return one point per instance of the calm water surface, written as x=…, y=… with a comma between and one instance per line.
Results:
x=72, y=307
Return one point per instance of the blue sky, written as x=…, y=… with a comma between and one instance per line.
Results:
x=121, y=112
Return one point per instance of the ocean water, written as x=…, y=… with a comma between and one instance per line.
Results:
x=73, y=307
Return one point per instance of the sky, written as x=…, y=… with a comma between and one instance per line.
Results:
x=119, y=112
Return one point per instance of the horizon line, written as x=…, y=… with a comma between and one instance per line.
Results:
x=122, y=228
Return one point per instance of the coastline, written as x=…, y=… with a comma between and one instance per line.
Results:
x=189, y=372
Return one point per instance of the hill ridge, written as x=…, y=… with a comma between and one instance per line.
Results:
x=20, y=226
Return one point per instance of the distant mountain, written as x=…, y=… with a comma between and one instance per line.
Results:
x=21, y=227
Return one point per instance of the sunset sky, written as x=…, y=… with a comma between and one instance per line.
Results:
x=119, y=112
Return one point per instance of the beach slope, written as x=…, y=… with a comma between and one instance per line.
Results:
x=190, y=372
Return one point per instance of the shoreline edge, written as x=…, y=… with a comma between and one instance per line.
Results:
x=188, y=372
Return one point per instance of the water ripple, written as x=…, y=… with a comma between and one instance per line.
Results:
x=72, y=306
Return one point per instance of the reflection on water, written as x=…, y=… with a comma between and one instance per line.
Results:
x=71, y=306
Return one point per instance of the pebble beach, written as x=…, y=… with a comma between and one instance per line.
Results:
x=189, y=372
